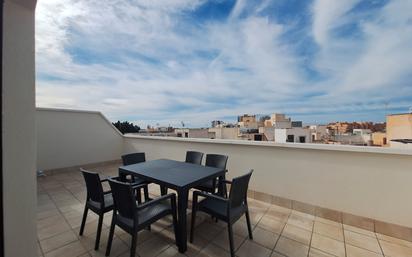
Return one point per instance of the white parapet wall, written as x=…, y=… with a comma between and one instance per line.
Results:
x=69, y=138
x=365, y=181
x=369, y=182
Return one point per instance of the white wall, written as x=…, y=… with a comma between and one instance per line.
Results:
x=19, y=145
x=369, y=182
x=70, y=138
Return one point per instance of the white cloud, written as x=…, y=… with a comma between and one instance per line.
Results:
x=329, y=14
x=150, y=61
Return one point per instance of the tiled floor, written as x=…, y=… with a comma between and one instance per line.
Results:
x=277, y=231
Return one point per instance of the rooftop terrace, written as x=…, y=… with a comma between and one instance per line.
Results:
x=278, y=231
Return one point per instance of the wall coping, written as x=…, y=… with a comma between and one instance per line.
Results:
x=306, y=146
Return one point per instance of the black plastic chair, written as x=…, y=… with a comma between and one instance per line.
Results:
x=129, y=159
x=132, y=217
x=217, y=161
x=97, y=201
x=194, y=157
x=226, y=209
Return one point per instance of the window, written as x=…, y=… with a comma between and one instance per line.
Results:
x=290, y=139
x=186, y=134
x=302, y=139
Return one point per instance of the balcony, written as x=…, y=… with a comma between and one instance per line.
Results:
x=305, y=200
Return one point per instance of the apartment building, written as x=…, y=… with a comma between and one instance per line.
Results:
x=399, y=130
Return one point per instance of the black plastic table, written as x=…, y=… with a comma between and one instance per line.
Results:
x=180, y=176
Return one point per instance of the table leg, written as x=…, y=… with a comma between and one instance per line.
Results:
x=163, y=190
x=221, y=187
x=182, y=212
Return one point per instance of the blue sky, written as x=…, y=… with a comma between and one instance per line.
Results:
x=163, y=62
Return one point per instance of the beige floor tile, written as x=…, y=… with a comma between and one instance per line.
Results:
x=152, y=247
x=329, y=222
x=58, y=241
x=291, y=248
x=271, y=224
x=250, y=248
x=90, y=228
x=328, y=230
x=353, y=251
x=213, y=250
x=52, y=230
x=275, y=254
x=255, y=216
x=362, y=241
x=50, y=221
x=395, y=250
x=194, y=248
x=222, y=240
x=394, y=240
x=278, y=212
x=240, y=227
x=359, y=230
x=208, y=231
x=118, y=247
x=296, y=233
x=265, y=238
x=300, y=221
x=328, y=245
x=69, y=250
x=171, y=252
x=313, y=252
x=303, y=214
x=88, y=241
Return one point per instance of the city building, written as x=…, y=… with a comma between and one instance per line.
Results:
x=379, y=139
x=194, y=133
x=292, y=135
x=399, y=130
x=278, y=120
x=249, y=121
x=319, y=133
x=225, y=133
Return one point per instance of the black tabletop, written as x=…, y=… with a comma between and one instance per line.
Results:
x=173, y=174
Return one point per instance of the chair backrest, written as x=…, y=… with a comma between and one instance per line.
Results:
x=194, y=157
x=123, y=199
x=133, y=158
x=216, y=160
x=238, y=189
x=93, y=186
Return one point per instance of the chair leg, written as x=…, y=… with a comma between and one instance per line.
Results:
x=99, y=231
x=146, y=193
x=110, y=240
x=175, y=224
x=192, y=223
x=163, y=190
x=83, y=220
x=232, y=247
x=133, y=246
x=249, y=227
x=139, y=196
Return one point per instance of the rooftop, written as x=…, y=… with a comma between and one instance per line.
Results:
x=277, y=231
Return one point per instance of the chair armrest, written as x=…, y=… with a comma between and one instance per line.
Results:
x=207, y=195
x=226, y=181
x=171, y=196
x=138, y=186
